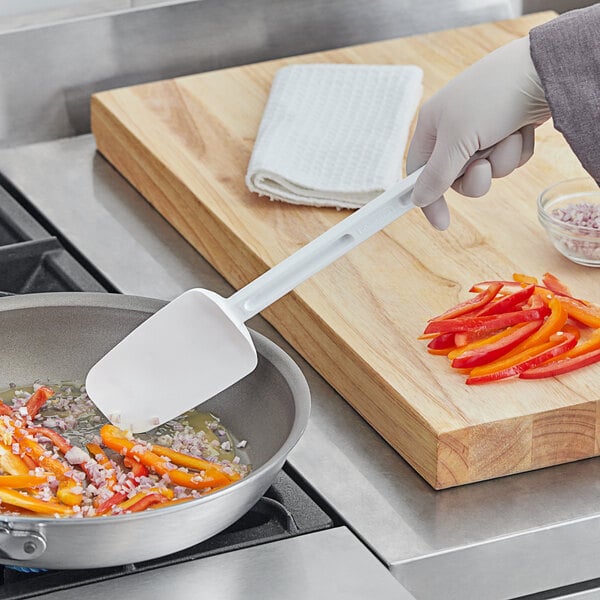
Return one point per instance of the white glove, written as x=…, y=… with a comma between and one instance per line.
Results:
x=494, y=104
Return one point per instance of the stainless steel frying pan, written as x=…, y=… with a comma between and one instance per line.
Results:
x=59, y=337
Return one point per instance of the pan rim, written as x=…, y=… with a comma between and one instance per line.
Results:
x=266, y=348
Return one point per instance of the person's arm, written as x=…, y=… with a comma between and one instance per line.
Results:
x=497, y=102
x=566, y=55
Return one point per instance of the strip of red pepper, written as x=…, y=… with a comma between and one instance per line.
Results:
x=442, y=341
x=38, y=399
x=472, y=304
x=533, y=361
x=489, y=352
x=559, y=367
x=487, y=323
x=554, y=284
x=508, y=302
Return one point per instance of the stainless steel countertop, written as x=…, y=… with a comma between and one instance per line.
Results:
x=267, y=572
x=494, y=540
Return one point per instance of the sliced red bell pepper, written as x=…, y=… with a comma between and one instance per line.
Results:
x=492, y=351
x=141, y=501
x=508, y=302
x=472, y=304
x=486, y=323
x=561, y=366
x=38, y=399
x=526, y=360
x=137, y=468
x=508, y=287
x=554, y=284
x=443, y=341
x=113, y=500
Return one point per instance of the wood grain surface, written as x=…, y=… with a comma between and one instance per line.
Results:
x=185, y=145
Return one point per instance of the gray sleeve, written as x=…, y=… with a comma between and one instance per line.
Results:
x=566, y=54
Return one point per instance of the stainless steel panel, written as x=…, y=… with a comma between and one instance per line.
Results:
x=48, y=73
x=325, y=565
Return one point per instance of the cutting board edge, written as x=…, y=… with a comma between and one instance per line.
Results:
x=543, y=439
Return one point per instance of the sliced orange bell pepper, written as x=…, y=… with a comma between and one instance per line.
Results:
x=523, y=361
x=21, y=481
x=110, y=469
x=69, y=492
x=191, y=462
x=115, y=439
x=15, y=498
x=554, y=323
x=593, y=343
x=11, y=463
x=520, y=278
x=588, y=314
x=37, y=452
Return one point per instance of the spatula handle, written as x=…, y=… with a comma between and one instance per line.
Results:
x=324, y=250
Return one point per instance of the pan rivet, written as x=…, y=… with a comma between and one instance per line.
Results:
x=29, y=547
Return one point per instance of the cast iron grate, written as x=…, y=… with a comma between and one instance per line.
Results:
x=32, y=260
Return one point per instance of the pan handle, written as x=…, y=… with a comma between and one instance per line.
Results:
x=19, y=544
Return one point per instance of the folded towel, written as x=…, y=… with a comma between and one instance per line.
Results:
x=334, y=135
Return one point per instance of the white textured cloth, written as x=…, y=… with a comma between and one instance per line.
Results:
x=334, y=134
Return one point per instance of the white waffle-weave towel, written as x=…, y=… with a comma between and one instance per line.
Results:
x=334, y=134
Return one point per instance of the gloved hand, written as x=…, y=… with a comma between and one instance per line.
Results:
x=494, y=104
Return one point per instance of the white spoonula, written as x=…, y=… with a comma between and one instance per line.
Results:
x=197, y=345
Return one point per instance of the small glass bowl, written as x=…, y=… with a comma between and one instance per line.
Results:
x=565, y=210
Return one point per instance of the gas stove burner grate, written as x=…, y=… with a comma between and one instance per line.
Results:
x=32, y=260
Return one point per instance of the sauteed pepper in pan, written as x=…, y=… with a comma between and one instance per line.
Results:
x=517, y=328
x=43, y=472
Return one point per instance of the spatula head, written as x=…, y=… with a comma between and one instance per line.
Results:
x=184, y=354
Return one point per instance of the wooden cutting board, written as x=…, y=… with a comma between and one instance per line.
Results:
x=185, y=144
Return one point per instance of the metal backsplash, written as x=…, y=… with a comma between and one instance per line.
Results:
x=48, y=73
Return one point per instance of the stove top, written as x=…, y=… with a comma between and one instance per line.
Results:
x=32, y=260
